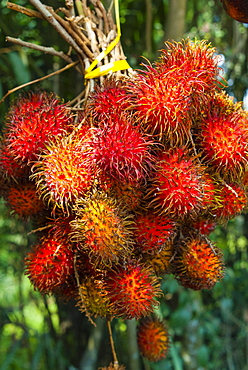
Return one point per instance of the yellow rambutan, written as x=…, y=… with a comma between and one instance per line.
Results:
x=103, y=228
x=153, y=338
x=63, y=173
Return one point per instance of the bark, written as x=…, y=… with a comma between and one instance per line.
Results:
x=175, y=24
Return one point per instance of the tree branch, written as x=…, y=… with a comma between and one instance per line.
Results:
x=44, y=49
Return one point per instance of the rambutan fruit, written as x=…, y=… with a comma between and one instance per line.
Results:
x=153, y=338
x=177, y=188
x=223, y=141
x=63, y=173
x=153, y=232
x=49, y=264
x=160, y=261
x=204, y=226
x=198, y=264
x=132, y=290
x=127, y=193
x=196, y=60
x=107, y=100
x=92, y=298
x=23, y=200
x=122, y=150
x=161, y=105
x=232, y=201
x=10, y=167
x=103, y=228
x=32, y=122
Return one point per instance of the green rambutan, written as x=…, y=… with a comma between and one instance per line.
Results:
x=177, y=188
x=91, y=297
x=63, y=173
x=132, y=290
x=121, y=150
x=32, y=122
x=50, y=264
x=103, y=228
x=198, y=263
x=153, y=338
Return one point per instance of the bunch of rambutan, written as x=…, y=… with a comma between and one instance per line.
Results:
x=128, y=190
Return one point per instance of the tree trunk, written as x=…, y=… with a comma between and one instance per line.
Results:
x=175, y=24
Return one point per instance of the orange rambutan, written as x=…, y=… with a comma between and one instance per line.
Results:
x=153, y=338
x=50, y=264
x=132, y=290
x=177, y=188
x=103, y=228
x=198, y=263
x=223, y=140
x=232, y=201
x=32, y=122
x=196, y=60
x=107, y=100
x=161, y=105
x=121, y=150
x=23, y=200
x=153, y=232
x=63, y=173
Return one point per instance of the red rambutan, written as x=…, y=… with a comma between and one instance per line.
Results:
x=132, y=290
x=49, y=264
x=177, y=185
x=153, y=338
x=223, y=141
x=232, y=201
x=121, y=150
x=153, y=232
x=108, y=100
x=32, y=122
x=63, y=173
x=198, y=263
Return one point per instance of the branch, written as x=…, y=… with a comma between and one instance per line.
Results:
x=44, y=49
x=23, y=10
x=38, y=80
x=50, y=18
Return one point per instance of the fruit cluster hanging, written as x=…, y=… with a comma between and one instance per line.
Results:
x=127, y=190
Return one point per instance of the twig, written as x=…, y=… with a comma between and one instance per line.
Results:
x=39, y=79
x=112, y=343
x=50, y=18
x=44, y=49
x=23, y=10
